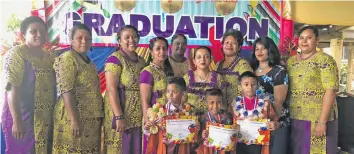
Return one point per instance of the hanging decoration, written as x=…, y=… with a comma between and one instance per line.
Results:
x=171, y=6
x=225, y=7
x=124, y=5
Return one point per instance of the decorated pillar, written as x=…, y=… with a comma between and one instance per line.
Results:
x=287, y=43
x=38, y=9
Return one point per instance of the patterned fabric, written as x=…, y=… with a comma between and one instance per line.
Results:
x=155, y=143
x=196, y=90
x=309, y=79
x=179, y=69
x=74, y=74
x=225, y=118
x=36, y=79
x=302, y=141
x=127, y=73
x=276, y=76
x=265, y=114
x=89, y=141
x=232, y=73
x=157, y=79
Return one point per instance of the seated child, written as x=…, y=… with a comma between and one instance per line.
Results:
x=214, y=101
x=176, y=87
x=250, y=106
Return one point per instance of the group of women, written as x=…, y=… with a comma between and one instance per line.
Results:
x=54, y=105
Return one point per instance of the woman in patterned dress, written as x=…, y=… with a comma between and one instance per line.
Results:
x=274, y=82
x=314, y=82
x=232, y=65
x=153, y=79
x=29, y=92
x=123, y=113
x=79, y=110
x=202, y=79
x=180, y=64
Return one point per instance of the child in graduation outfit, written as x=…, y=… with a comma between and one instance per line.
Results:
x=214, y=115
x=176, y=87
x=251, y=106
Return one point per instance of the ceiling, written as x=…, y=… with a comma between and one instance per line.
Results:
x=328, y=32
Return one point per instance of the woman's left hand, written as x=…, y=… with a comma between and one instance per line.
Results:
x=273, y=125
x=320, y=130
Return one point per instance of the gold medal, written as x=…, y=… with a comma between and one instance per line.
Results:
x=154, y=129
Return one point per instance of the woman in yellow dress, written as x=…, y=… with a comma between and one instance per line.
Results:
x=232, y=66
x=123, y=113
x=153, y=80
x=79, y=110
x=314, y=82
x=29, y=92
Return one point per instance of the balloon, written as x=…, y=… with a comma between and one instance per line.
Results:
x=124, y=5
x=171, y=6
x=225, y=7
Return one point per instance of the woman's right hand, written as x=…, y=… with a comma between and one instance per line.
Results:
x=148, y=125
x=76, y=128
x=18, y=130
x=120, y=125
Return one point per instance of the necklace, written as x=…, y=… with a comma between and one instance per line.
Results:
x=242, y=112
x=313, y=53
x=84, y=58
x=213, y=120
x=201, y=80
x=127, y=56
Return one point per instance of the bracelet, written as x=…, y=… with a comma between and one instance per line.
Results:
x=321, y=122
x=119, y=117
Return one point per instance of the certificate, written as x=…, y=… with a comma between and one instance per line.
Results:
x=221, y=137
x=180, y=129
x=253, y=132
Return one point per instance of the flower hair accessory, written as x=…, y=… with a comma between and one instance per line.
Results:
x=152, y=40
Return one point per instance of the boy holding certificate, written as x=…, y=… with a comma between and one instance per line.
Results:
x=214, y=116
x=255, y=115
x=176, y=87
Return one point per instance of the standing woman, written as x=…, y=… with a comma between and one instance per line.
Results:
x=273, y=80
x=201, y=79
x=180, y=64
x=79, y=110
x=232, y=65
x=29, y=92
x=123, y=113
x=153, y=80
x=313, y=85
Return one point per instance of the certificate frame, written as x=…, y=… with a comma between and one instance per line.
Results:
x=191, y=137
x=233, y=139
x=263, y=136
